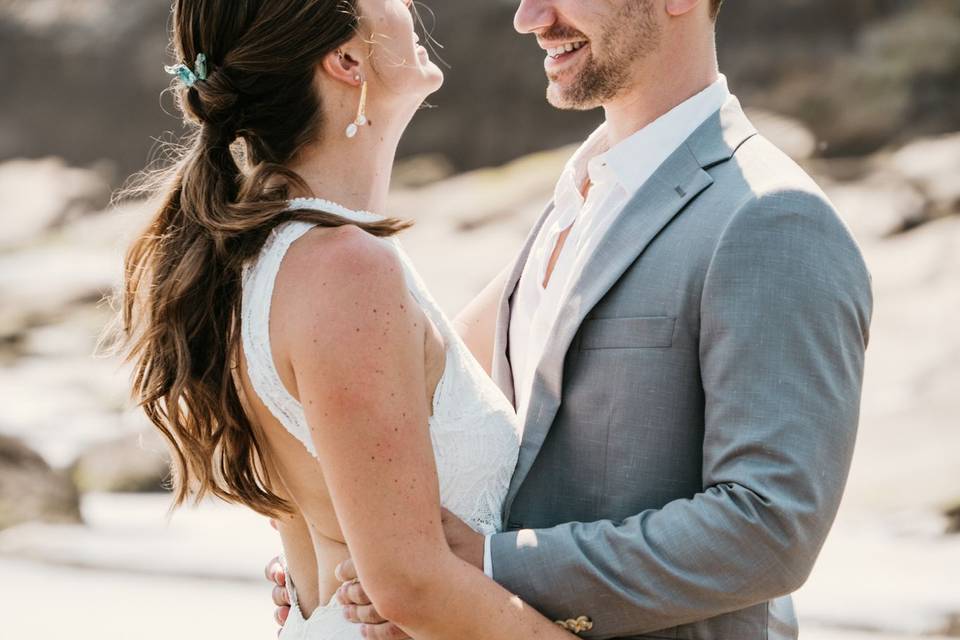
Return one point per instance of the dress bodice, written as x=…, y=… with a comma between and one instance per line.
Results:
x=474, y=428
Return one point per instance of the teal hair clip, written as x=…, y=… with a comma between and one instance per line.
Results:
x=187, y=75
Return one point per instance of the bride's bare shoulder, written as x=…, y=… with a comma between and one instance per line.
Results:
x=347, y=251
x=342, y=277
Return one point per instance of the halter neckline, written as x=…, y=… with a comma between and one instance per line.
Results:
x=330, y=206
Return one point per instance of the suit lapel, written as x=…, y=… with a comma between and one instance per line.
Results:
x=665, y=195
x=501, y=371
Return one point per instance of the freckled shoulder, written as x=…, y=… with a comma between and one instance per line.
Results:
x=334, y=281
x=346, y=253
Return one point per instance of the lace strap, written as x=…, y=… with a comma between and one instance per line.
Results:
x=259, y=279
x=421, y=293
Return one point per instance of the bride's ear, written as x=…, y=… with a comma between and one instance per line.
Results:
x=340, y=65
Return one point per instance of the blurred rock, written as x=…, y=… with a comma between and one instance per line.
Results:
x=792, y=136
x=878, y=206
x=82, y=79
x=61, y=406
x=137, y=463
x=953, y=519
x=420, y=171
x=895, y=191
x=863, y=74
x=908, y=443
x=38, y=284
x=30, y=490
x=77, y=266
x=39, y=195
x=933, y=166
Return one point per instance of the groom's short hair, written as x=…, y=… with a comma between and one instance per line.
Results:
x=715, y=7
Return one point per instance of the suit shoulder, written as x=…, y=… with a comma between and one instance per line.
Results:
x=774, y=190
x=773, y=204
x=766, y=170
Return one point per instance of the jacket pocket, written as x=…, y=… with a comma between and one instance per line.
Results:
x=651, y=332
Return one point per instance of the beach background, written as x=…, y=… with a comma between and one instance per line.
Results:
x=864, y=93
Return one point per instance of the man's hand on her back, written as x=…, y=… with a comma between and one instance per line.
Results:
x=275, y=573
x=358, y=609
x=463, y=541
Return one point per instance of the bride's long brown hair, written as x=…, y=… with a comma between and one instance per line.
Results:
x=257, y=109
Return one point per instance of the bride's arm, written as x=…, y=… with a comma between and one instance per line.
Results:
x=477, y=323
x=356, y=341
x=301, y=559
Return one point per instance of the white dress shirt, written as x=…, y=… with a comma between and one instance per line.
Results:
x=615, y=175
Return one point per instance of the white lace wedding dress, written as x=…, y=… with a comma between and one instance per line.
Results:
x=474, y=428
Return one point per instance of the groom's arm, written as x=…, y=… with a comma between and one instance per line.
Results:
x=785, y=311
x=477, y=323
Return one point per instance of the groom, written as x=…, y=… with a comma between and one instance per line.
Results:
x=683, y=335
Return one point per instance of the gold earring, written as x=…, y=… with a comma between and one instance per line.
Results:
x=354, y=127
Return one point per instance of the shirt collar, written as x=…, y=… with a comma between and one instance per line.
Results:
x=576, y=173
x=631, y=162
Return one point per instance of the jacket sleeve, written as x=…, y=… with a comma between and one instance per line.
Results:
x=785, y=311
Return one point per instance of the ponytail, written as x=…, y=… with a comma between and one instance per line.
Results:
x=182, y=289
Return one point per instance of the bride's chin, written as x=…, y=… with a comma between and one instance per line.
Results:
x=429, y=89
x=434, y=77
x=437, y=86
x=416, y=90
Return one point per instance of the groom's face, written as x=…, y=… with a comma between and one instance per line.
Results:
x=592, y=48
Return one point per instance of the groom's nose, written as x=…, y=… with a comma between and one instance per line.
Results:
x=534, y=15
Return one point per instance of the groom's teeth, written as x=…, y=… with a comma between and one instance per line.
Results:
x=566, y=48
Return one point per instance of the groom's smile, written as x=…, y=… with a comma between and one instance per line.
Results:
x=563, y=56
x=593, y=49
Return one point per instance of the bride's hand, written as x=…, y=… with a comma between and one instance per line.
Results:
x=358, y=608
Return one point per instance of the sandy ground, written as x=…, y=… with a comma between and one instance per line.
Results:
x=132, y=574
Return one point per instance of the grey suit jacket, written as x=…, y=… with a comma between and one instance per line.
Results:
x=692, y=422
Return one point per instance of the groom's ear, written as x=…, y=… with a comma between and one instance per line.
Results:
x=342, y=66
x=677, y=8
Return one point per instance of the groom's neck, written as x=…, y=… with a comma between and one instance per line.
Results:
x=659, y=84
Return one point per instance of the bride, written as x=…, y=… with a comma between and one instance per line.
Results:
x=281, y=339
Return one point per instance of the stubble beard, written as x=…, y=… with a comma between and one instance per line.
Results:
x=631, y=34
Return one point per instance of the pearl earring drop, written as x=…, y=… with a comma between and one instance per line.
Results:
x=354, y=127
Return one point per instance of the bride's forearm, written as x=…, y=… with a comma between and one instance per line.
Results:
x=301, y=557
x=460, y=602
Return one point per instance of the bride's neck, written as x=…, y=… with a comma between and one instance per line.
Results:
x=353, y=172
